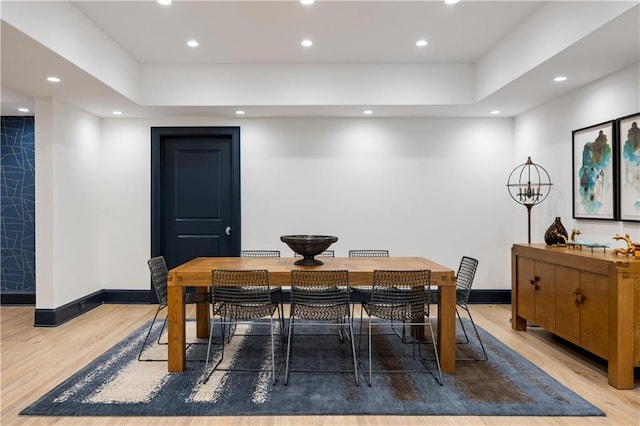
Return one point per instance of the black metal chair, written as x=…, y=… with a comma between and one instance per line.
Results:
x=363, y=293
x=321, y=295
x=159, y=273
x=400, y=296
x=464, y=281
x=276, y=292
x=260, y=253
x=326, y=253
x=368, y=253
x=241, y=296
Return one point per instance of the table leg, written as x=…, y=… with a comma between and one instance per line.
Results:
x=176, y=329
x=202, y=315
x=447, y=327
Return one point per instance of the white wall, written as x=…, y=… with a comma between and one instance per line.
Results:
x=67, y=181
x=424, y=187
x=432, y=187
x=545, y=135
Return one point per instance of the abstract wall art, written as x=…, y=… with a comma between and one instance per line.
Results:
x=628, y=136
x=594, y=165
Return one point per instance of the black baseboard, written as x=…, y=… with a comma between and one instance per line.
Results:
x=124, y=297
x=57, y=316
x=62, y=314
x=8, y=299
x=496, y=297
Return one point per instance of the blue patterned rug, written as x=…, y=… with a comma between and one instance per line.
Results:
x=117, y=384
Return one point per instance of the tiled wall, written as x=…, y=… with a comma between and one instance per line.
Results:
x=17, y=202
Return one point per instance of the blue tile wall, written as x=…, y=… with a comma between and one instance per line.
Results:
x=17, y=205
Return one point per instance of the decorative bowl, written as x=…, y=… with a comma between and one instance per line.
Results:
x=308, y=246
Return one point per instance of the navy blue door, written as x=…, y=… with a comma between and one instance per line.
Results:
x=195, y=192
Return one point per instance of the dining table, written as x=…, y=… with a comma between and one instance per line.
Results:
x=197, y=273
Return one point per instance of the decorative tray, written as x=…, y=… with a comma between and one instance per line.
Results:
x=590, y=244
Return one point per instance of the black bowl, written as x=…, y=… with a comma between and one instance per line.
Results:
x=308, y=246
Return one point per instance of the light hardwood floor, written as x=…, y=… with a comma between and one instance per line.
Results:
x=34, y=360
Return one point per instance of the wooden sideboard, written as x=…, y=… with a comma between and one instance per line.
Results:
x=589, y=298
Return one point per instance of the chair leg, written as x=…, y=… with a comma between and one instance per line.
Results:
x=207, y=374
x=164, y=325
x=359, y=352
x=435, y=349
x=486, y=357
x=353, y=352
x=370, y=357
x=273, y=353
x=466, y=338
x=281, y=315
x=144, y=343
x=286, y=370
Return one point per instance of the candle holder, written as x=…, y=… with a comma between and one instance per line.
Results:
x=529, y=184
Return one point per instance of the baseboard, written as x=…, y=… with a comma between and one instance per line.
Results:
x=494, y=297
x=137, y=297
x=57, y=316
x=8, y=299
x=62, y=314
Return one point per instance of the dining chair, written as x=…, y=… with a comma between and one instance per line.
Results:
x=363, y=292
x=321, y=298
x=242, y=296
x=159, y=272
x=276, y=292
x=326, y=253
x=399, y=296
x=464, y=281
x=369, y=253
x=260, y=253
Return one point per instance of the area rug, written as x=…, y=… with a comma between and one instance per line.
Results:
x=117, y=384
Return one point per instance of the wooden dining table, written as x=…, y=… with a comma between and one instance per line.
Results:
x=197, y=273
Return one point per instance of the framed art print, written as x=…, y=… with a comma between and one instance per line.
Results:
x=594, y=184
x=629, y=174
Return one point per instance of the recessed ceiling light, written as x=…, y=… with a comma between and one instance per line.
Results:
x=117, y=112
x=23, y=109
x=307, y=2
x=421, y=43
x=164, y=2
x=451, y=1
x=193, y=43
x=53, y=79
x=367, y=112
x=495, y=112
x=306, y=43
x=239, y=112
x=560, y=78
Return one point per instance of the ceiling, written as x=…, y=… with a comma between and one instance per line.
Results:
x=481, y=56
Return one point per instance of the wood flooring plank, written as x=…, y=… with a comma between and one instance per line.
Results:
x=33, y=360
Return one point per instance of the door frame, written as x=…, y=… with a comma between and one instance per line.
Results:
x=158, y=135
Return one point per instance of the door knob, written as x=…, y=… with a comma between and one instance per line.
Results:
x=227, y=230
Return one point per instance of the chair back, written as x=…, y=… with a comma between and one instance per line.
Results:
x=159, y=273
x=322, y=291
x=326, y=253
x=241, y=286
x=260, y=253
x=399, y=295
x=368, y=253
x=464, y=278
